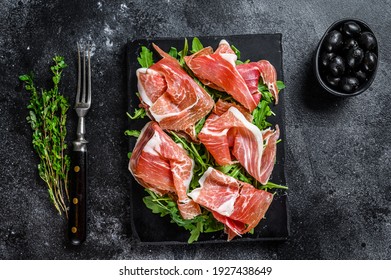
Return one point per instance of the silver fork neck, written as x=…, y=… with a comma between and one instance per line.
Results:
x=80, y=144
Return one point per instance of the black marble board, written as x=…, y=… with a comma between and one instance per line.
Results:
x=150, y=228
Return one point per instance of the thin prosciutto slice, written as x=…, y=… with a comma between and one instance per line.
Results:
x=230, y=137
x=171, y=96
x=253, y=70
x=238, y=205
x=219, y=70
x=222, y=106
x=162, y=166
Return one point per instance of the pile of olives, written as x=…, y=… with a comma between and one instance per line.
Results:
x=348, y=57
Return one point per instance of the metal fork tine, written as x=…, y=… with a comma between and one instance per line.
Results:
x=83, y=97
x=79, y=74
x=89, y=75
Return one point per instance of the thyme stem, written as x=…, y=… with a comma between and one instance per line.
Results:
x=47, y=117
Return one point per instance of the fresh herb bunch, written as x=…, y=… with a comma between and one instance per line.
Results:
x=165, y=205
x=47, y=117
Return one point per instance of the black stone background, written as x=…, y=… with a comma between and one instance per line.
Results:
x=337, y=150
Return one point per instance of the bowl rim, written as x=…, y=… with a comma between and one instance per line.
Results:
x=317, y=53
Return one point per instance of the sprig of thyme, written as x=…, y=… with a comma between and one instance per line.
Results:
x=47, y=117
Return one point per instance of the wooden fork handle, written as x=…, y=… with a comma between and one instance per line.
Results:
x=77, y=219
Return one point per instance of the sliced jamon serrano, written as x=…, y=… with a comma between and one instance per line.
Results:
x=171, y=96
x=218, y=70
x=222, y=106
x=238, y=205
x=231, y=137
x=269, y=153
x=253, y=70
x=160, y=165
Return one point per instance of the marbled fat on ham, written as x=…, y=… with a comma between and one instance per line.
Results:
x=171, y=96
x=253, y=70
x=238, y=205
x=162, y=166
x=230, y=137
x=222, y=106
x=218, y=70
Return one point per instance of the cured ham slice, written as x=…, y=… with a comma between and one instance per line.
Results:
x=269, y=154
x=162, y=166
x=222, y=106
x=238, y=205
x=171, y=96
x=218, y=70
x=253, y=70
x=231, y=137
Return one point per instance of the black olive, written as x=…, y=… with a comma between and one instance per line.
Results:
x=349, y=84
x=325, y=58
x=367, y=41
x=333, y=41
x=333, y=81
x=349, y=43
x=354, y=57
x=369, y=62
x=361, y=75
x=337, y=66
x=351, y=28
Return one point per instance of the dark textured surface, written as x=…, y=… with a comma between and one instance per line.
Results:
x=338, y=150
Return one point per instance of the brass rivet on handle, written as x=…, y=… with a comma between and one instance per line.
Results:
x=75, y=200
x=74, y=229
x=76, y=168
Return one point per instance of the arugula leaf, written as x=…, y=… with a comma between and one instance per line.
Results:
x=238, y=62
x=271, y=185
x=153, y=203
x=280, y=85
x=199, y=125
x=173, y=52
x=265, y=91
x=134, y=133
x=266, y=94
x=236, y=51
x=263, y=110
x=260, y=114
x=183, y=53
x=194, y=152
x=195, y=233
x=165, y=205
x=196, y=45
x=210, y=224
x=139, y=113
x=146, y=57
